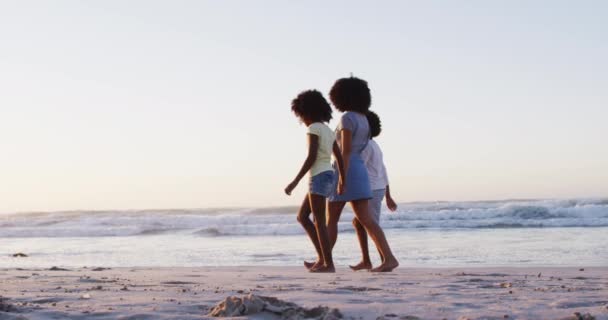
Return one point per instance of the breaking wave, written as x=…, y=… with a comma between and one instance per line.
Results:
x=282, y=221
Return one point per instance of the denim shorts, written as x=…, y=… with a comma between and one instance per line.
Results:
x=375, y=204
x=322, y=184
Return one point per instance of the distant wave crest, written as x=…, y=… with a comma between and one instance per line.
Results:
x=282, y=221
x=208, y=232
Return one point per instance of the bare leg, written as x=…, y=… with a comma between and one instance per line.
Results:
x=361, y=209
x=381, y=256
x=334, y=210
x=365, y=263
x=317, y=203
x=309, y=227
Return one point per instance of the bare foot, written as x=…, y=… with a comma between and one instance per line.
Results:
x=361, y=266
x=386, y=266
x=309, y=265
x=323, y=269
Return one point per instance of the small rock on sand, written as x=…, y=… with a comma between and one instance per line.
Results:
x=251, y=304
x=5, y=306
x=579, y=316
x=58, y=269
x=100, y=269
x=20, y=255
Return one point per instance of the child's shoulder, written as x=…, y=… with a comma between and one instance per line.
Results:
x=373, y=144
x=349, y=114
x=353, y=114
x=318, y=127
x=353, y=117
x=349, y=118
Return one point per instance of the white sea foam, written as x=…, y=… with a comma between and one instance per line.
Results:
x=282, y=221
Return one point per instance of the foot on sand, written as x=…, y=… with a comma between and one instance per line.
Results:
x=386, y=266
x=309, y=265
x=323, y=269
x=363, y=265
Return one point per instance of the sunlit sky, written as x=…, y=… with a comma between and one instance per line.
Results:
x=186, y=104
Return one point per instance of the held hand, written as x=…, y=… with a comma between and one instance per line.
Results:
x=290, y=188
x=341, y=185
x=390, y=203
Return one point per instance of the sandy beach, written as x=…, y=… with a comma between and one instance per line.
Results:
x=181, y=160
x=192, y=293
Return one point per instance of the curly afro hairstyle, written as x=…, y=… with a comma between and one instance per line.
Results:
x=311, y=105
x=351, y=94
x=375, y=126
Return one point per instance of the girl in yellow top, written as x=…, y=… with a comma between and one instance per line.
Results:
x=314, y=111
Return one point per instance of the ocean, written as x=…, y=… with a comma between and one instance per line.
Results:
x=477, y=233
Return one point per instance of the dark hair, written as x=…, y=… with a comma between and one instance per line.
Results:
x=375, y=126
x=351, y=94
x=312, y=105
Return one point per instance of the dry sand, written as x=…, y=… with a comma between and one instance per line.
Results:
x=191, y=293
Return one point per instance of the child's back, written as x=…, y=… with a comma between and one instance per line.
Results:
x=378, y=179
x=374, y=162
x=376, y=170
x=326, y=142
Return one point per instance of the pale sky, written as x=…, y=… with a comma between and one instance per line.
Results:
x=186, y=104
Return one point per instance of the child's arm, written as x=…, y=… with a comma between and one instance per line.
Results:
x=313, y=149
x=340, y=161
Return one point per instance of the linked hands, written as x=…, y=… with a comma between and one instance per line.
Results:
x=341, y=185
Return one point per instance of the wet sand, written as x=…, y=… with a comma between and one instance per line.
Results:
x=191, y=293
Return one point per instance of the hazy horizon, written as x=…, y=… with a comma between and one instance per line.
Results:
x=153, y=105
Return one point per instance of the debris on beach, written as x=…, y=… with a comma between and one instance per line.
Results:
x=391, y=316
x=579, y=316
x=58, y=269
x=5, y=306
x=251, y=304
x=20, y=255
x=100, y=269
